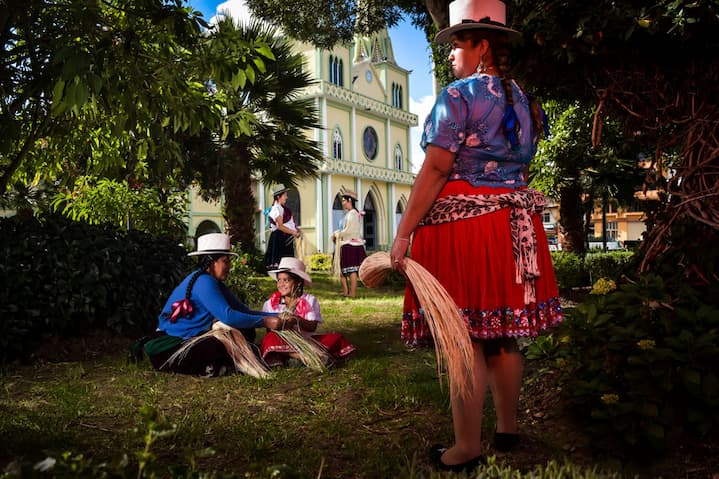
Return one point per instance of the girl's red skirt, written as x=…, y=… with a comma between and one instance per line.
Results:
x=276, y=351
x=473, y=260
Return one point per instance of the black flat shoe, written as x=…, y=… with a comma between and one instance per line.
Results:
x=505, y=441
x=435, y=455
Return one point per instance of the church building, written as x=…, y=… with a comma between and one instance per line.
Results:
x=362, y=97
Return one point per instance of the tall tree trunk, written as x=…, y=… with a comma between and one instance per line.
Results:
x=240, y=204
x=570, y=219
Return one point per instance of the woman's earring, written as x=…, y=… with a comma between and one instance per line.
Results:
x=481, y=67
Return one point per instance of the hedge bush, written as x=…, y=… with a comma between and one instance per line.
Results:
x=610, y=264
x=319, y=262
x=574, y=271
x=63, y=278
x=569, y=269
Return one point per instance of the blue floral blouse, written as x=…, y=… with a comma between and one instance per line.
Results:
x=467, y=120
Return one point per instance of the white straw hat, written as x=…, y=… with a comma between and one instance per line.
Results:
x=213, y=243
x=288, y=264
x=475, y=15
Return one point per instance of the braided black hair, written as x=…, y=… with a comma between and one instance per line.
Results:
x=202, y=266
x=500, y=49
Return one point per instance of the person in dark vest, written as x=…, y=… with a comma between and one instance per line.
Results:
x=283, y=229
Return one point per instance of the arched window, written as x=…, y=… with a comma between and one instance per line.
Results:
x=397, y=215
x=336, y=144
x=206, y=227
x=338, y=213
x=293, y=203
x=396, y=95
x=398, y=158
x=369, y=224
x=336, y=70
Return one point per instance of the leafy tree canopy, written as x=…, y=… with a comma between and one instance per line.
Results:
x=111, y=88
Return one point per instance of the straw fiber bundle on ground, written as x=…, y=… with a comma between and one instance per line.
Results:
x=440, y=311
x=312, y=354
x=243, y=355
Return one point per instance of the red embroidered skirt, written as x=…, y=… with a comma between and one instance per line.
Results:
x=276, y=351
x=473, y=259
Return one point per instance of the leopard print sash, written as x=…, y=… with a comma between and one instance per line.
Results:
x=522, y=204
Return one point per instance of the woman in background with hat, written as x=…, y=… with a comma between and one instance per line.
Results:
x=283, y=230
x=195, y=305
x=476, y=225
x=350, y=245
x=299, y=311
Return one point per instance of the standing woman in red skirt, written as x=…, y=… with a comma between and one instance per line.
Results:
x=475, y=226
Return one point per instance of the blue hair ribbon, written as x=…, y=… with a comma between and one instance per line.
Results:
x=510, y=121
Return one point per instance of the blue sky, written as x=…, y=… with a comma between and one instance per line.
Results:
x=410, y=51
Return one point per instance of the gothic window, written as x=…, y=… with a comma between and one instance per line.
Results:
x=369, y=224
x=398, y=157
x=397, y=215
x=336, y=65
x=336, y=144
x=293, y=203
x=396, y=95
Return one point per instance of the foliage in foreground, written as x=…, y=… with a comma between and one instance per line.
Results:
x=155, y=428
x=640, y=363
x=64, y=278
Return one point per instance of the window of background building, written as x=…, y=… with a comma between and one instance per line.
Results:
x=611, y=230
x=336, y=70
x=336, y=144
x=293, y=203
x=546, y=217
x=398, y=157
x=370, y=143
x=338, y=212
x=397, y=98
x=368, y=224
x=397, y=215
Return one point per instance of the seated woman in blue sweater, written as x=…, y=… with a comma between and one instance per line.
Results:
x=199, y=304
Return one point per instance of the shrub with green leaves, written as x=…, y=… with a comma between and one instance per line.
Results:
x=569, y=269
x=319, y=262
x=610, y=264
x=641, y=365
x=245, y=282
x=62, y=278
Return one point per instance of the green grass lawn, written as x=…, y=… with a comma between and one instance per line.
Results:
x=373, y=417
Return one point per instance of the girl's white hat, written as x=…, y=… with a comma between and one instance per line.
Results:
x=474, y=15
x=213, y=243
x=288, y=264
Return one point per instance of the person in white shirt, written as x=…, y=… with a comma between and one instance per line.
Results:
x=283, y=231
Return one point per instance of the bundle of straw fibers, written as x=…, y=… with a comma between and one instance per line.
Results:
x=311, y=352
x=242, y=354
x=449, y=332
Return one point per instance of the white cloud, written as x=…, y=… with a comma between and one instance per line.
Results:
x=237, y=9
x=421, y=108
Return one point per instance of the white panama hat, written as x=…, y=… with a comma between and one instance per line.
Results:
x=213, y=243
x=474, y=15
x=288, y=264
